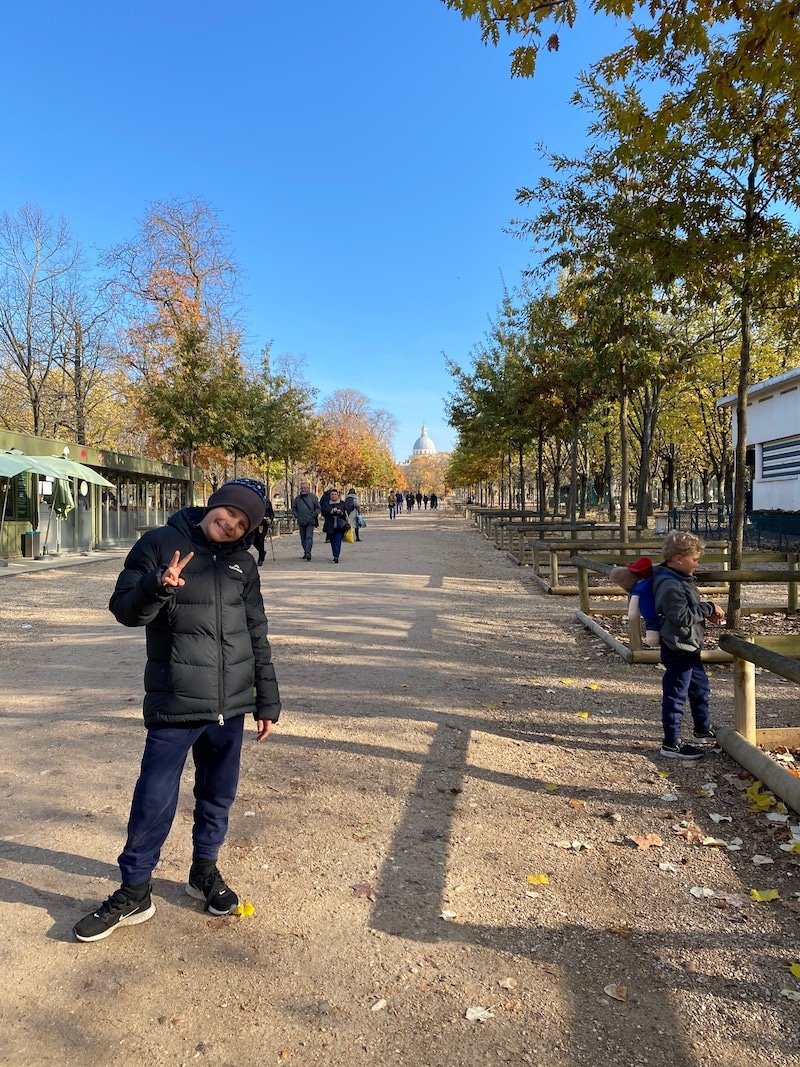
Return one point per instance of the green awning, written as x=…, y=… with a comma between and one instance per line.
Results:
x=69, y=468
x=12, y=463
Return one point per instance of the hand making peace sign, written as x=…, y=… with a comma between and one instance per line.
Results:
x=172, y=575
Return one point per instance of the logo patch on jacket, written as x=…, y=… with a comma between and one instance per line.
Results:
x=235, y=567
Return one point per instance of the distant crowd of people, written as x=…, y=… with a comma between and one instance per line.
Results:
x=342, y=518
x=396, y=498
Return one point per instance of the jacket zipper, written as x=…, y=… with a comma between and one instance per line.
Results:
x=218, y=608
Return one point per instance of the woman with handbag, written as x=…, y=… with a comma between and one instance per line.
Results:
x=335, y=522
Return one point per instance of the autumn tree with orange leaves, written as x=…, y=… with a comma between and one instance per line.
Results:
x=177, y=281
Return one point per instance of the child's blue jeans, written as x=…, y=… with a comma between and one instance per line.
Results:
x=216, y=751
x=684, y=678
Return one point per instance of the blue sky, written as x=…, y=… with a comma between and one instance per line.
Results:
x=363, y=155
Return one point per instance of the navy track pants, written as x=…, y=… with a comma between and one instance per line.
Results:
x=216, y=751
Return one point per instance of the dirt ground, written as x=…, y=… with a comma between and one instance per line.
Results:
x=441, y=827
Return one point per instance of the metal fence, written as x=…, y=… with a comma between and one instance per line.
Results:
x=712, y=522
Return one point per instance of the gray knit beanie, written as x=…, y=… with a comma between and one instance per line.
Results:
x=247, y=494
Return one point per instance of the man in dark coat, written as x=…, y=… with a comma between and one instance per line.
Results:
x=194, y=586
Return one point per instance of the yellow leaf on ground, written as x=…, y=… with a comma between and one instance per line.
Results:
x=764, y=894
x=795, y=970
x=550, y=787
x=581, y=714
x=565, y=681
x=537, y=879
x=593, y=686
x=244, y=910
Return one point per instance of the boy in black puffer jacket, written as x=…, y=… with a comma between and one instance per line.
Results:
x=194, y=585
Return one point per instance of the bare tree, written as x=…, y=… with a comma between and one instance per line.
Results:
x=176, y=274
x=39, y=263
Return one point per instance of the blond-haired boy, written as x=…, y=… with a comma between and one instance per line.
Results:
x=683, y=620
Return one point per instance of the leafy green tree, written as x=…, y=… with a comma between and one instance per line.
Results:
x=190, y=399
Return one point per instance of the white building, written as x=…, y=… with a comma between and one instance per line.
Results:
x=773, y=432
x=423, y=446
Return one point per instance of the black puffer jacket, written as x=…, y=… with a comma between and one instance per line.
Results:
x=207, y=644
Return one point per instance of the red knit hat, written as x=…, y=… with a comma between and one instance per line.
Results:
x=642, y=568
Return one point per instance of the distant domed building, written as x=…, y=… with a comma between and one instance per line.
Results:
x=423, y=446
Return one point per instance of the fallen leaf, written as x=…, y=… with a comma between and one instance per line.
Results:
x=714, y=842
x=244, y=910
x=792, y=846
x=644, y=843
x=379, y=1005
x=764, y=894
x=701, y=891
x=550, y=787
x=537, y=879
x=448, y=916
x=762, y=861
x=593, y=686
x=690, y=831
x=719, y=818
x=616, y=992
x=478, y=1015
x=790, y=994
x=364, y=889
x=574, y=802
x=565, y=681
x=667, y=866
x=508, y=983
x=733, y=900
x=581, y=714
x=572, y=846
x=794, y=970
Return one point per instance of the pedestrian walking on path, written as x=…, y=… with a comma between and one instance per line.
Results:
x=335, y=522
x=306, y=511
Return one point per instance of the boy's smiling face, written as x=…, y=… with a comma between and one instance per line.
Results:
x=224, y=523
x=687, y=563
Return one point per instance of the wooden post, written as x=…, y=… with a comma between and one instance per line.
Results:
x=583, y=588
x=634, y=627
x=553, y=567
x=744, y=698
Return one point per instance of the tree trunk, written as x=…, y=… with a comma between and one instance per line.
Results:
x=608, y=477
x=522, y=480
x=572, y=506
x=624, y=472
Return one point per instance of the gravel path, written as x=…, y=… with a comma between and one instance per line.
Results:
x=441, y=827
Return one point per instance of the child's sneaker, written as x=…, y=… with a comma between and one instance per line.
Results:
x=704, y=737
x=681, y=751
x=207, y=884
x=129, y=906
